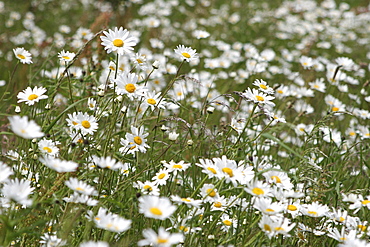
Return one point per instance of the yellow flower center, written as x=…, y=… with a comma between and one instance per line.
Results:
x=258, y=191
x=185, y=200
x=162, y=240
x=227, y=222
x=138, y=140
x=316, y=86
x=161, y=176
x=228, y=171
x=312, y=212
x=267, y=227
x=151, y=101
x=130, y=88
x=139, y=60
x=21, y=56
x=279, y=229
x=280, y=91
x=260, y=98
x=185, y=54
x=292, y=208
x=47, y=149
x=148, y=187
x=86, y=124
x=32, y=97
x=118, y=43
x=74, y=123
x=184, y=228
x=66, y=57
x=341, y=219
x=80, y=189
x=211, y=192
x=270, y=210
x=177, y=166
x=263, y=86
x=335, y=109
x=156, y=211
x=365, y=202
x=276, y=178
x=352, y=133
x=217, y=204
x=212, y=170
x=362, y=227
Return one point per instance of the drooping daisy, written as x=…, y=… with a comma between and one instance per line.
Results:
x=258, y=97
x=107, y=162
x=111, y=222
x=24, y=56
x=31, y=96
x=24, y=128
x=315, y=209
x=162, y=239
x=156, y=207
x=66, y=56
x=137, y=139
x=186, y=53
x=118, y=40
x=48, y=147
x=80, y=187
x=58, y=164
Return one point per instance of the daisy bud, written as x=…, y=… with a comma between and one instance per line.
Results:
x=173, y=136
x=101, y=87
x=101, y=93
x=17, y=109
x=190, y=142
x=211, y=236
x=30, y=150
x=118, y=98
x=164, y=128
x=98, y=147
x=210, y=109
x=47, y=107
x=124, y=109
x=155, y=64
x=35, y=157
x=34, y=140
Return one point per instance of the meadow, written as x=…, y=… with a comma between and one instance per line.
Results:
x=184, y=123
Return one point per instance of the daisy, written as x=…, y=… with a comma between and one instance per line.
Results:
x=48, y=147
x=266, y=206
x=82, y=121
x=315, y=210
x=118, y=40
x=107, y=162
x=190, y=202
x=139, y=60
x=80, y=187
x=228, y=170
x=31, y=96
x=126, y=84
x=147, y=188
x=209, y=193
x=6, y=171
x=154, y=100
x=176, y=167
x=345, y=62
x=156, y=207
x=161, y=177
x=306, y=62
x=51, y=240
x=262, y=85
x=273, y=227
x=227, y=223
x=81, y=198
x=209, y=168
x=66, y=56
x=258, y=97
x=200, y=34
x=162, y=239
x=17, y=190
x=258, y=189
x=111, y=222
x=23, y=55
x=318, y=85
x=59, y=165
x=186, y=53
x=24, y=128
x=137, y=139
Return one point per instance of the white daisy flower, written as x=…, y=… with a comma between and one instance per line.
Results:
x=186, y=53
x=24, y=128
x=23, y=55
x=59, y=165
x=156, y=207
x=66, y=56
x=31, y=96
x=118, y=40
x=80, y=187
x=137, y=139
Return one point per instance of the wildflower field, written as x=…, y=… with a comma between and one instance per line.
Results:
x=184, y=123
